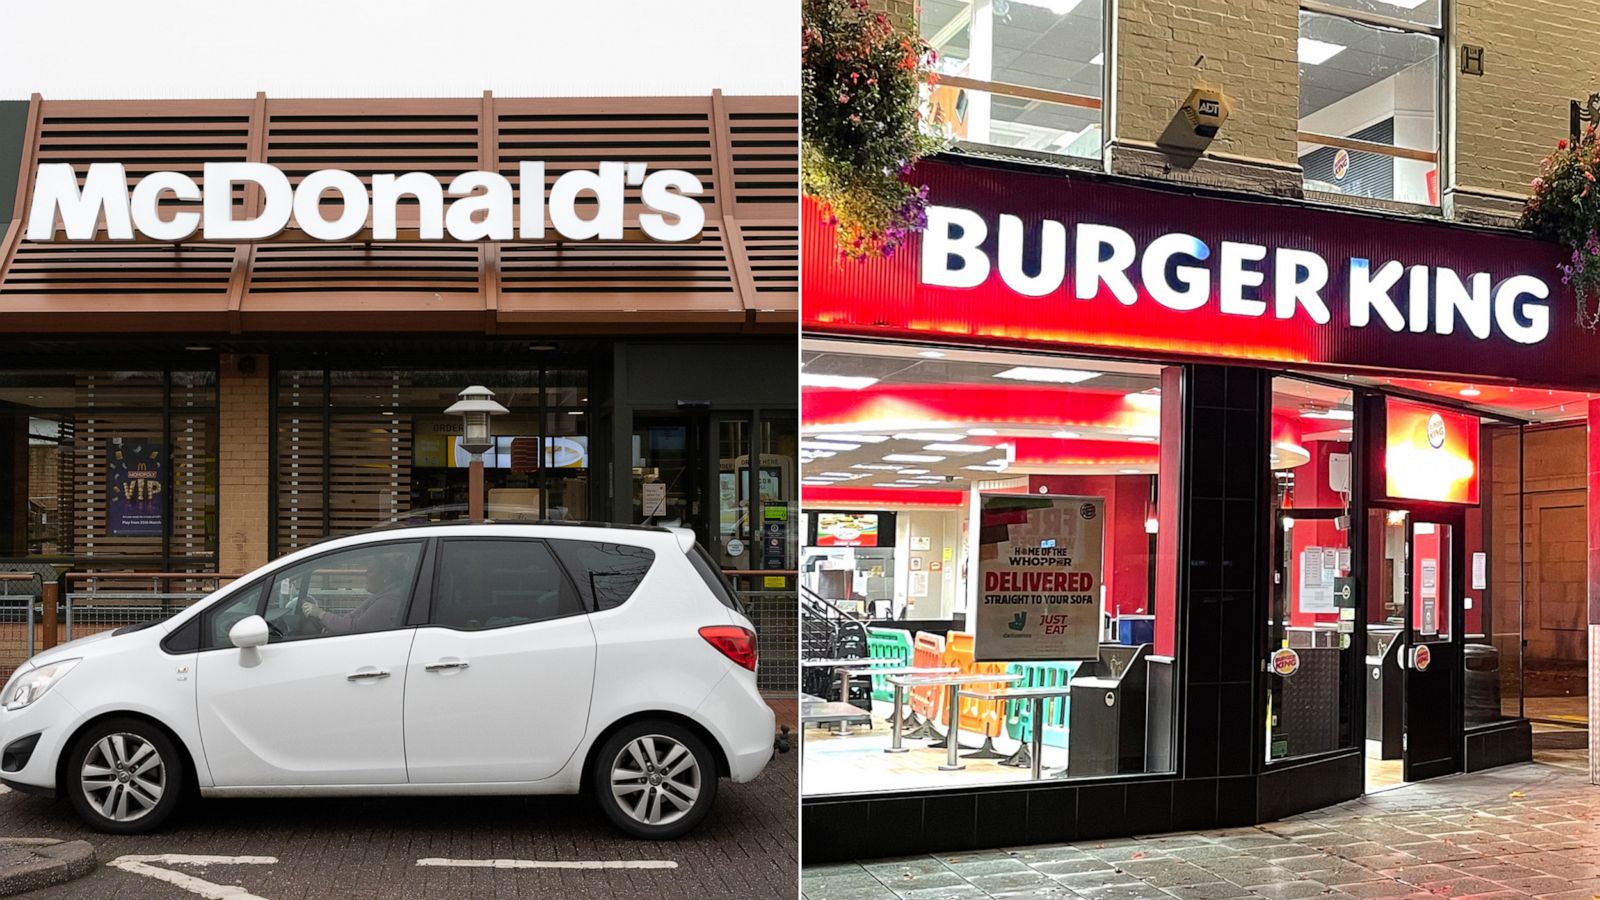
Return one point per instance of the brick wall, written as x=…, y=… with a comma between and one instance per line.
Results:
x=1538, y=56
x=244, y=465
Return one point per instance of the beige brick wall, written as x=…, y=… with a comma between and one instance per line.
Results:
x=244, y=465
x=1243, y=48
x=1538, y=56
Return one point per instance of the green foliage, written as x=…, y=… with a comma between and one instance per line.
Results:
x=1564, y=206
x=862, y=127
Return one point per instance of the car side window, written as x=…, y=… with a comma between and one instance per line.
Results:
x=497, y=583
x=219, y=620
x=355, y=591
x=606, y=574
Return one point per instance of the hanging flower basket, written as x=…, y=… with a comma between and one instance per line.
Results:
x=862, y=125
x=1564, y=206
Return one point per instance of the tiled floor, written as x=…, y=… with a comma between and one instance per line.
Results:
x=1522, y=831
x=856, y=762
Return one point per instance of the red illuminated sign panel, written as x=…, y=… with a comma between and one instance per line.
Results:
x=1081, y=262
x=1430, y=454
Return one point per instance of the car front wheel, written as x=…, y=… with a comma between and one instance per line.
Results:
x=124, y=776
x=655, y=780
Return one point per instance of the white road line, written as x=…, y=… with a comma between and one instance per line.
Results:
x=549, y=864
x=140, y=865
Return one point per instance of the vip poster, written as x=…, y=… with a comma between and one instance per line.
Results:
x=137, y=506
x=1039, y=571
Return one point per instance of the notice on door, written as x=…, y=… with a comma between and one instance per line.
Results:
x=654, y=499
x=1039, y=570
x=1318, y=567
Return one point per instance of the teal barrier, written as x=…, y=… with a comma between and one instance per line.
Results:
x=1019, y=713
x=892, y=644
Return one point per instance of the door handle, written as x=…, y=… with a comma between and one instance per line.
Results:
x=445, y=666
x=367, y=675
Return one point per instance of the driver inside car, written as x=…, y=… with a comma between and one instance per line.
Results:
x=385, y=603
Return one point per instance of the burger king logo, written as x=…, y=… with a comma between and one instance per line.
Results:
x=1436, y=431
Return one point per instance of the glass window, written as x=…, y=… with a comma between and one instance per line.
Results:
x=1310, y=622
x=1369, y=107
x=109, y=470
x=713, y=577
x=1027, y=74
x=1492, y=686
x=606, y=574
x=219, y=620
x=1008, y=516
x=355, y=591
x=499, y=583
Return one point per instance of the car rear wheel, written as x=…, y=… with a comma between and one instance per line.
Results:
x=655, y=780
x=124, y=776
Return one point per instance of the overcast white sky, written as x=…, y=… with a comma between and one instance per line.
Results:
x=171, y=49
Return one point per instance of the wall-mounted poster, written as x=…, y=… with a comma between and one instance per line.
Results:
x=137, y=478
x=1039, y=569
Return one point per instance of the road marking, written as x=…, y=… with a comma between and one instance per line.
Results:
x=140, y=865
x=549, y=864
x=4, y=789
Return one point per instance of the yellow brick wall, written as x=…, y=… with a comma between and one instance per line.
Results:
x=1538, y=56
x=244, y=478
x=1243, y=48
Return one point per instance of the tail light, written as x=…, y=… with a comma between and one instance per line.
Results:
x=734, y=642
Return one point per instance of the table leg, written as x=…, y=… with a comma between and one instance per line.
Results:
x=844, y=697
x=899, y=724
x=1038, y=735
x=953, y=763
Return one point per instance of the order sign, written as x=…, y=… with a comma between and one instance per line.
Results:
x=1040, y=566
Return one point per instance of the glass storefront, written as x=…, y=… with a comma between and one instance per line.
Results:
x=113, y=469
x=988, y=527
x=357, y=448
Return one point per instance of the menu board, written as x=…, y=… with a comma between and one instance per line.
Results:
x=1040, y=569
x=837, y=529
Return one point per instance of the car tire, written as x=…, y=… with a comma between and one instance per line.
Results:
x=655, y=780
x=124, y=776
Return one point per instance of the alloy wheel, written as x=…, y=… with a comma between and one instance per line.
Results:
x=655, y=780
x=123, y=777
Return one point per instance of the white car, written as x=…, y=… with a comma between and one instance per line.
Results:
x=460, y=659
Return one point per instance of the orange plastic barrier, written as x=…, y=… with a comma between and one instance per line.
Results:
x=985, y=717
x=928, y=650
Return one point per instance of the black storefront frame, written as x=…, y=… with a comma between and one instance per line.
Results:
x=1214, y=783
x=324, y=412
x=207, y=363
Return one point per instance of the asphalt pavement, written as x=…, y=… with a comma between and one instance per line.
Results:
x=544, y=847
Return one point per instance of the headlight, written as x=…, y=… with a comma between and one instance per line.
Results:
x=31, y=685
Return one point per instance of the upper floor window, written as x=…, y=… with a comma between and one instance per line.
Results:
x=1371, y=83
x=1024, y=74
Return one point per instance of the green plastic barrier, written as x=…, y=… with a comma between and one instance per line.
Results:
x=889, y=644
x=1019, y=713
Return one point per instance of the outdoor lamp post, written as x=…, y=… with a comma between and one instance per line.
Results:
x=476, y=405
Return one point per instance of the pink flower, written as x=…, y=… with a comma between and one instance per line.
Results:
x=843, y=97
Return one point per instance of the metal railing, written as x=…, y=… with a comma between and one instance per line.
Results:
x=772, y=610
x=98, y=601
x=20, y=593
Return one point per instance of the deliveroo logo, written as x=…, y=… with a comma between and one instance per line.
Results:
x=1018, y=622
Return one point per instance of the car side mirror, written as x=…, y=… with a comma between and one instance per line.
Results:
x=248, y=632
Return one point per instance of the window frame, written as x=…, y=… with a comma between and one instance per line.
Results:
x=1104, y=104
x=1444, y=121
x=425, y=611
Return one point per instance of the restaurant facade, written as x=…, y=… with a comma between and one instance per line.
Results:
x=1246, y=490
x=233, y=327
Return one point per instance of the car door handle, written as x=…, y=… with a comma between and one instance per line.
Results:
x=367, y=675
x=445, y=666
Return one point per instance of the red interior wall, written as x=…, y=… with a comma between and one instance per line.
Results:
x=1127, y=547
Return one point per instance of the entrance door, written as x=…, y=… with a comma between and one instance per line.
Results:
x=1431, y=647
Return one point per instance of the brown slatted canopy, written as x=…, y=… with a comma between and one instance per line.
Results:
x=743, y=273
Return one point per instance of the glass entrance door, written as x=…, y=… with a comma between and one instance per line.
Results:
x=1431, y=649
